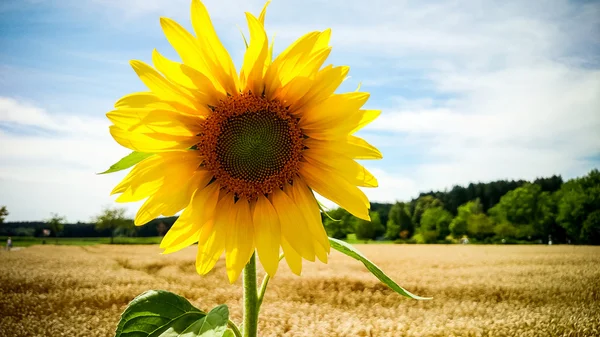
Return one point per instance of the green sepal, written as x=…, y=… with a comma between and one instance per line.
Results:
x=159, y=313
x=127, y=161
x=347, y=249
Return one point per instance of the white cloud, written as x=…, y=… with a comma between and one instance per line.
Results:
x=52, y=167
x=513, y=123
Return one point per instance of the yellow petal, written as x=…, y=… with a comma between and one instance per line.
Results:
x=342, y=166
x=148, y=212
x=172, y=71
x=263, y=13
x=135, y=177
x=205, y=203
x=178, y=191
x=204, y=84
x=365, y=117
x=254, y=59
x=184, y=232
x=336, y=189
x=292, y=258
x=141, y=100
x=181, y=178
x=164, y=89
x=215, y=53
x=191, y=81
x=306, y=202
x=352, y=147
x=341, y=127
x=323, y=40
x=150, y=120
x=267, y=234
x=302, y=72
x=324, y=85
x=186, y=229
x=269, y=58
x=209, y=249
x=293, y=229
x=239, y=245
x=334, y=109
x=189, y=49
x=142, y=190
x=294, y=90
x=288, y=63
x=151, y=142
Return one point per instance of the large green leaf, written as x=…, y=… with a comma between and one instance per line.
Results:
x=215, y=322
x=347, y=249
x=158, y=313
x=127, y=161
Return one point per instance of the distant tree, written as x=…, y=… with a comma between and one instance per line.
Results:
x=530, y=210
x=340, y=224
x=161, y=228
x=399, y=221
x=551, y=184
x=459, y=225
x=57, y=224
x=3, y=214
x=113, y=219
x=545, y=217
x=517, y=206
x=435, y=224
x=423, y=204
x=480, y=226
x=368, y=230
x=579, y=199
x=383, y=209
x=488, y=193
x=590, y=231
x=505, y=230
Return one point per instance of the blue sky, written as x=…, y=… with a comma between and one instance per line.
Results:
x=470, y=90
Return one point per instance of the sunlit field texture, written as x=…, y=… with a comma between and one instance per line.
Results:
x=477, y=290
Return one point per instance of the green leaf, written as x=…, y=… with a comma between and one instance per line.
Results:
x=228, y=333
x=158, y=313
x=347, y=249
x=215, y=322
x=128, y=161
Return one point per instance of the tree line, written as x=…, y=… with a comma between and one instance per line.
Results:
x=110, y=222
x=546, y=209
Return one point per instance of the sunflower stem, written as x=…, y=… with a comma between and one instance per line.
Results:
x=250, y=299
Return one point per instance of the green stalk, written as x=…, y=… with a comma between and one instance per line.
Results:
x=250, y=299
x=261, y=292
x=234, y=328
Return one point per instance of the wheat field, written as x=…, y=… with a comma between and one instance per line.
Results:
x=477, y=290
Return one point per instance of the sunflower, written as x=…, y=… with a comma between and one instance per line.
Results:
x=242, y=155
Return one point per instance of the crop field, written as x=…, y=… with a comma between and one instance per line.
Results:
x=478, y=291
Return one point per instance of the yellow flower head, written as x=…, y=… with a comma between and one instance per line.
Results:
x=242, y=155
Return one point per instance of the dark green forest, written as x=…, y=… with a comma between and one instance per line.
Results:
x=546, y=209
x=539, y=211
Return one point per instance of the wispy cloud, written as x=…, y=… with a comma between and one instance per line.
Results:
x=53, y=169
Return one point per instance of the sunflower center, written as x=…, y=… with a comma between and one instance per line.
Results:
x=252, y=145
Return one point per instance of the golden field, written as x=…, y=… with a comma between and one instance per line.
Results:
x=477, y=290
